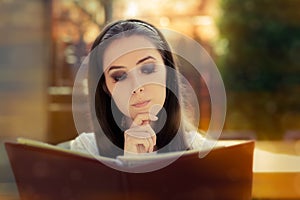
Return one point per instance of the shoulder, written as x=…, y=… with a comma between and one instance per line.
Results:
x=194, y=139
x=86, y=143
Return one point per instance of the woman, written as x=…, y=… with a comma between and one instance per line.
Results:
x=134, y=90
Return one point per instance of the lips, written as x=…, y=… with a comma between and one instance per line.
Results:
x=141, y=104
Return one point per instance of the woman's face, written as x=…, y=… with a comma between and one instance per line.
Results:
x=135, y=75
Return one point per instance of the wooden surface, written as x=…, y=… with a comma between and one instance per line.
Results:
x=276, y=170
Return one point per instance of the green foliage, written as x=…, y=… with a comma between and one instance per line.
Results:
x=260, y=64
x=263, y=44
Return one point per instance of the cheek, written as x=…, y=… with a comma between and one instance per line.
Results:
x=159, y=94
x=109, y=85
x=158, y=97
x=120, y=93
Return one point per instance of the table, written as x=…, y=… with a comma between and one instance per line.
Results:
x=276, y=170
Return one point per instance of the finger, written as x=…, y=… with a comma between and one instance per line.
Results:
x=151, y=145
x=140, y=135
x=153, y=137
x=141, y=148
x=132, y=144
x=145, y=131
x=140, y=119
x=153, y=117
x=142, y=145
x=145, y=122
x=144, y=118
x=137, y=136
x=150, y=142
x=129, y=148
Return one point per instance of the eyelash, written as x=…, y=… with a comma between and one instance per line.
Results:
x=148, y=68
x=145, y=69
x=119, y=76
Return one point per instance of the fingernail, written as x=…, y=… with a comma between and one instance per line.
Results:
x=153, y=117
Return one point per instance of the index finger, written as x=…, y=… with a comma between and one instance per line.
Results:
x=143, y=118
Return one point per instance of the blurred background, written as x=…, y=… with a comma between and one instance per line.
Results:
x=255, y=44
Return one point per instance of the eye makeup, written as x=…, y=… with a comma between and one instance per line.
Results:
x=148, y=68
x=118, y=75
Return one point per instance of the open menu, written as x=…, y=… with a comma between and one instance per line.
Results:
x=44, y=171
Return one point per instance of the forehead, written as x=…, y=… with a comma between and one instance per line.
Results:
x=121, y=47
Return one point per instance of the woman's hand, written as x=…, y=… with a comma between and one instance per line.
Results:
x=140, y=137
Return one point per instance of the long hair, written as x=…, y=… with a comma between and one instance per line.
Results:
x=108, y=134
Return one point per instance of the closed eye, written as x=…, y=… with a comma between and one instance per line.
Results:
x=148, y=68
x=119, y=76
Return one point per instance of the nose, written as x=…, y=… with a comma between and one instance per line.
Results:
x=138, y=90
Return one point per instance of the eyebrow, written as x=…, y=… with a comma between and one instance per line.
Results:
x=115, y=67
x=138, y=62
x=144, y=59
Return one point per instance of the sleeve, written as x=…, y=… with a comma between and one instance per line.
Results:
x=85, y=143
x=194, y=139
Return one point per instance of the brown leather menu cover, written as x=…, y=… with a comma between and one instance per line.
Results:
x=42, y=173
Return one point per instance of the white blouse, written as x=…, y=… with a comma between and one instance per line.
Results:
x=86, y=142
